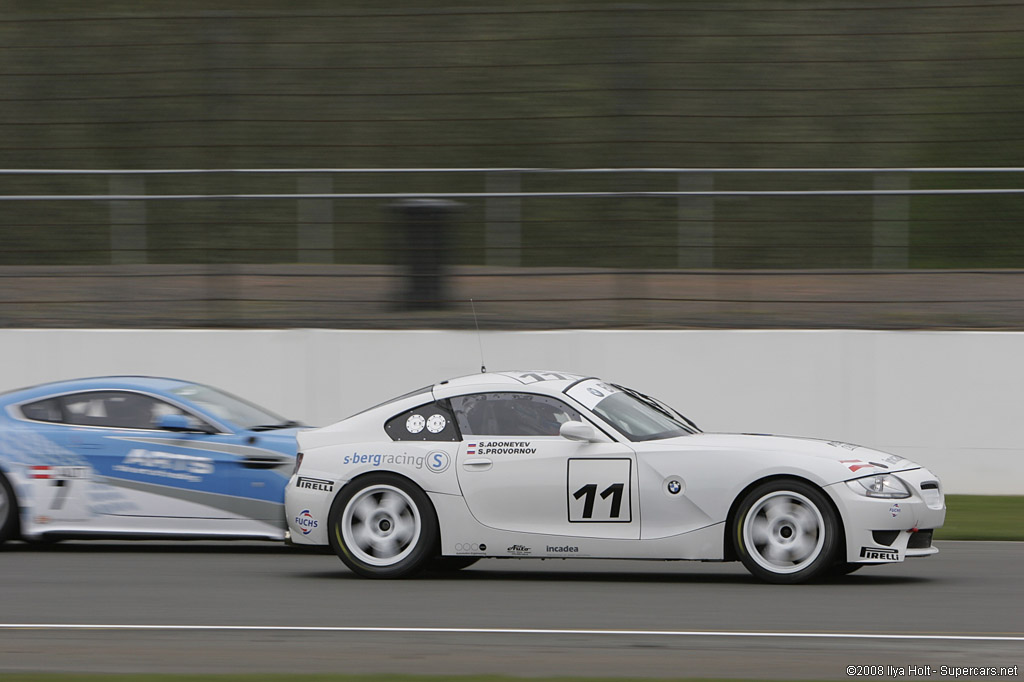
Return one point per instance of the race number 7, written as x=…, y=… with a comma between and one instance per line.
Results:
x=599, y=490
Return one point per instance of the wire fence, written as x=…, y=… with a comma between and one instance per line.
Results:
x=588, y=163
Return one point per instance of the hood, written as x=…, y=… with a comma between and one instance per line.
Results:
x=858, y=460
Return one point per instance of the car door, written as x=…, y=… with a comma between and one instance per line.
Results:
x=150, y=472
x=518, y=474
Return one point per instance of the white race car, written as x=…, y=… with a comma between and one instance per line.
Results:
x=555, y=465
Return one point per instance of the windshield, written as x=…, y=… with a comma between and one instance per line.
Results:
x=227, y=407
x=639, y=417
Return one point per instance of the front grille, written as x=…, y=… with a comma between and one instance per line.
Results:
x=922, y=539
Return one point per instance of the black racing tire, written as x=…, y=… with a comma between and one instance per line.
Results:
x=383, y=526
x=8, y=511
x=450, y=564
x=786, y=531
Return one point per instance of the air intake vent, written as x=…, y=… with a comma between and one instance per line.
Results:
x=922, y=539
x=885, y=537
x=930, y=485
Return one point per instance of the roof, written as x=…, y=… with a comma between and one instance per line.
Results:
x=138, y=383
x=553, y=381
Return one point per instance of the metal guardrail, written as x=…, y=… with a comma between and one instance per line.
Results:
x=503, y=194
x=318, y=290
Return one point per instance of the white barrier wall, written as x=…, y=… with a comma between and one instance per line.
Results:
x=948, y=400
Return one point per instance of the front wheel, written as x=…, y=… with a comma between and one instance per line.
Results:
x=786, y=532
x=383, y=526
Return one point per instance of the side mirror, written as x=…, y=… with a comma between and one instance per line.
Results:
x=180, y=423
x=580, y=432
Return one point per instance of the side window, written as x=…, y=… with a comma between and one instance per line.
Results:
x=432, y=421
x=43, y=411
x=511, y=414
x=116, y=409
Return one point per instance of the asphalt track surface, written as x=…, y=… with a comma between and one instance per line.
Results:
x=601, y=618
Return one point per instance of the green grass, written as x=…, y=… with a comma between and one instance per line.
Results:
x=983, y=517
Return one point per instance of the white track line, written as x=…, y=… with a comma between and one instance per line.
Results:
x=511, y=631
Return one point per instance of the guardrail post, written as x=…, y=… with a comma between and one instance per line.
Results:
x=503, y=235
x=127, y=220
x=696, y=241
x=316, y=220
x=891, y=231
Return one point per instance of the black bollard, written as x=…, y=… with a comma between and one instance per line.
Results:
x=425, y=254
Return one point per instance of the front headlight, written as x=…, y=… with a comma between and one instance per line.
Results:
x=885, y=486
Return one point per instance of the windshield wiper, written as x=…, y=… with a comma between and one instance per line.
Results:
x=656, y=404
x=272, y=427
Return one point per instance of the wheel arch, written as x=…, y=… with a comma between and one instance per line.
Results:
x=14, y=531
x=366, y=474
x=728, y=548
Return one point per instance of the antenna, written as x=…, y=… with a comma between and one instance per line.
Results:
x=479, y=340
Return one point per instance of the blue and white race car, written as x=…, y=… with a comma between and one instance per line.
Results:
x=140, y=457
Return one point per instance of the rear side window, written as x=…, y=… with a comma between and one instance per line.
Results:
x=432, y=421
x=116, y=409
x=43, y=411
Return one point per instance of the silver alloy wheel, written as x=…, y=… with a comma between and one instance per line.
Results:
x=381, y=525
x=784, y=532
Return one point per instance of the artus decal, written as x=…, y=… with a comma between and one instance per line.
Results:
x=190, y=468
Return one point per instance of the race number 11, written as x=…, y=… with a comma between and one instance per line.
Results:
x=598, y=490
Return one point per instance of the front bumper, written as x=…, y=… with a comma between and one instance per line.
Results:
x=890, y=530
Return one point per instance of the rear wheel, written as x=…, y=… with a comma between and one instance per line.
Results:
x=383, y=526
x=8, y=511
x=786, y=532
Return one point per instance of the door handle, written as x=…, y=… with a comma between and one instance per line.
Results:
x=477, y=464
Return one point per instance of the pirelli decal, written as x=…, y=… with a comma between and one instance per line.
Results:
x=879, y=553
x=319, y=484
